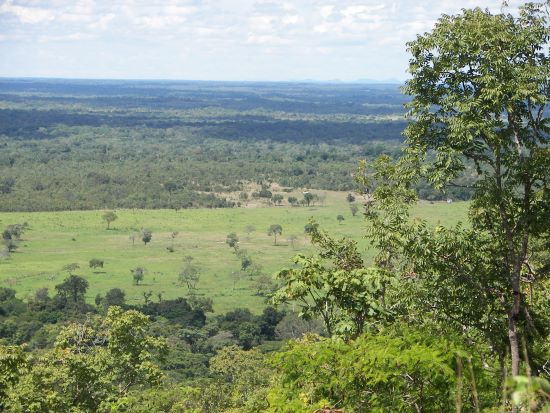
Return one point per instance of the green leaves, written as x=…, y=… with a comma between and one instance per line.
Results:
x=394, y=370
x=92, y=365
x=345, y=295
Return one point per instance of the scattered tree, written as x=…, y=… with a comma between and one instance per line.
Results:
x=232, y=240
x=275, y=230
x=71, y=268
x=308, y=197
x=74, y=288
x=350, y=198
x=354, y=209
x=132, y=237
x=189, y=275
x=96, y=263
x=109, y=217
x=249, y=229
x=340, y=218
x=146, y=236
x=292, y=238
x=138, y=273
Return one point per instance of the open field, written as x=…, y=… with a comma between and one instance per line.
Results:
x=55, y=239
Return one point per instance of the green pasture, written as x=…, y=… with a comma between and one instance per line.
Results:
x=55, y=239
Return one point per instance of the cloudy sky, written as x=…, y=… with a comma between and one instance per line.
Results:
x=216, y=39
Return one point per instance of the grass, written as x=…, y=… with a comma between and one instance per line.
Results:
x=55, y=239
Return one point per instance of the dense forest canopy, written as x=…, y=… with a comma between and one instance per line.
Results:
x=82, y=144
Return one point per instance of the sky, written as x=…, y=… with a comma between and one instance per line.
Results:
x=320, y=40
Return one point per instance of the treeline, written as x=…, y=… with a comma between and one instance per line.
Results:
x=92, y=144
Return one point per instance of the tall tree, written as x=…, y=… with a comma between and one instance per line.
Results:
x=479, y=86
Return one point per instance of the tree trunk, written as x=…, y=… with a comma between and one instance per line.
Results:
x=514, y=342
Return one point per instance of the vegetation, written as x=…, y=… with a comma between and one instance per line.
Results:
x=447, y=310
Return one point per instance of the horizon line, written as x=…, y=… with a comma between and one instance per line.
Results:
x=325, y=81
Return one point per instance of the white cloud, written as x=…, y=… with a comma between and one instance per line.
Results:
x=317, y=35
x=292, y=19
x=362, y=12
x=326, y=11
x=266, y=40
x=103, y=21
x=29, y=15
x=261, y=23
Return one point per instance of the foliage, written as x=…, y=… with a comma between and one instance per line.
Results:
x=92, y=365
x=73, y=288
x=146, y=236
x=96, y=263
x=396, y=370
x=479, y=91
x=232, y=240
x=343, y=293
x=275, y=229
x=109, y=217
x=189, y=275
x=138, y=274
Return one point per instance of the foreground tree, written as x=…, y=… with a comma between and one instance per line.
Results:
x=335, y=286
x=92, y=368
x=479, y=91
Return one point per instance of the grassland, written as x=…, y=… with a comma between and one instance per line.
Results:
x=55, y=239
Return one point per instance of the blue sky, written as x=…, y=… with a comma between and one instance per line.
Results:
x=216, y=39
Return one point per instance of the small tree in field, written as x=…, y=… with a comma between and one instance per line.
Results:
x=146, y=236
x=354, y=209
x=308, y=197
x=138, y=273
x=71, y=268
x=350, y=198
x=340, y=219
x=96, y=263
x=189, y=275
x=109, y=217
x=132, y=237
x=275, y=230
x=249, y=229
x=232, y=240
x=292, y=238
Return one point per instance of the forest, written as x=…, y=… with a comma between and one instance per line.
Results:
x=396, y=297
x=76, y=145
